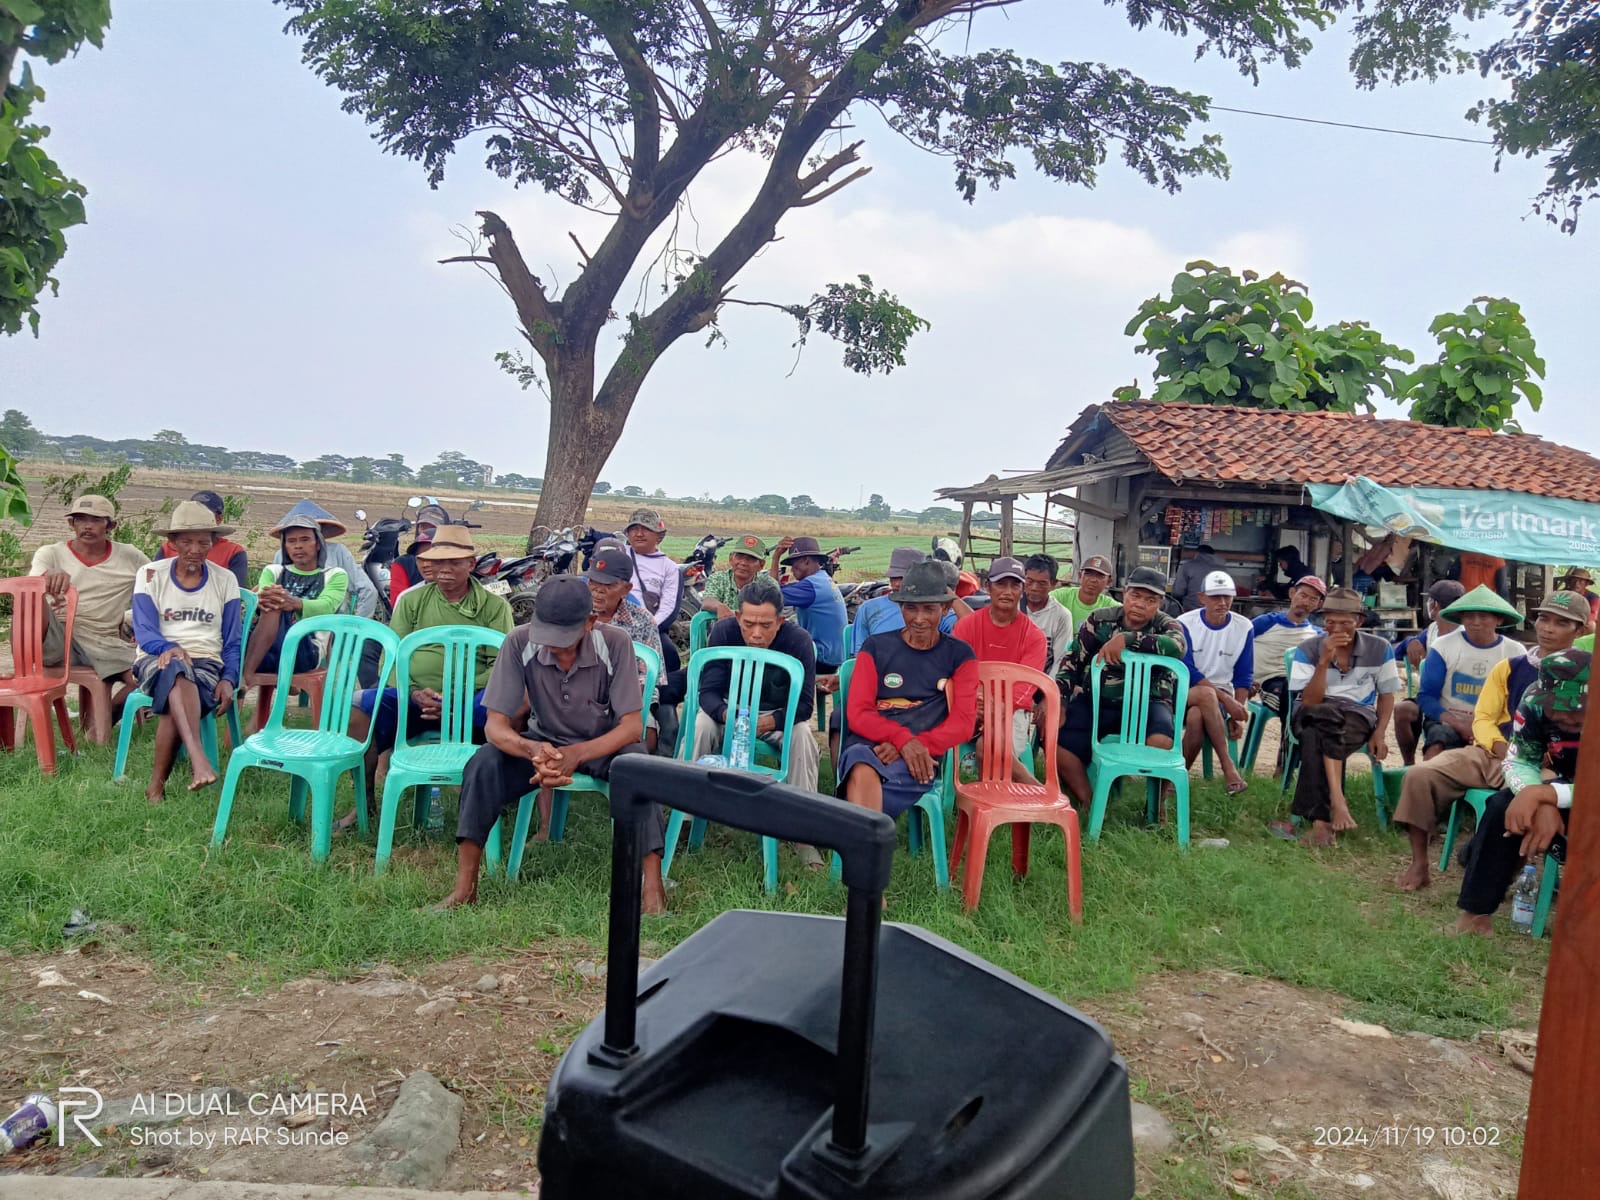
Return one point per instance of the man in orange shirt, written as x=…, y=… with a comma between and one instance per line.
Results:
x=1002, y=632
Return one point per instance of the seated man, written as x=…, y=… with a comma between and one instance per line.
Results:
x=999, y=632
x=1045, y=611
x=1346, y=683
x=1457, y=665
x=610, y=577
x=657, y=582
x=1277, y=632
x=760, y=624
x=103, y=572
x=882, y=614
x=186, y=619
x=1428, y=791
x=748, y=554
x=454, y=597
x=1089, y=595
x=230, y=556
x=574, y=681
x=1137, y=625
x=817, y=604
x=304, y=586
x=1221, y=661
x=362, y=598
x=1580, y=580
x=1524, y=818
x=1414, y=650
x=912, y=698
x=407, y=571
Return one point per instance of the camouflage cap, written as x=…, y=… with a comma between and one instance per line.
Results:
x=1564, y=678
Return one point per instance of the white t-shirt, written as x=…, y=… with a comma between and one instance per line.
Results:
x=1456, y=670
x=1217, y=653
x=1055, y=622
x=105, y=589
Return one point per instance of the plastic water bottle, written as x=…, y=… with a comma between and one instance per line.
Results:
x=712, y=760
x=1523, y=901
x=34, y=1120
x=739, y=759
x=435, y=810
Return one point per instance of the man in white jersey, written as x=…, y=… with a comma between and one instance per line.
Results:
x=1221, y=662
x=1457, y=665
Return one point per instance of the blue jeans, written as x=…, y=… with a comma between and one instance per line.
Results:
x=386, y=720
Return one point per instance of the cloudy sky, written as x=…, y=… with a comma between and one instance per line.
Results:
x=258, y=274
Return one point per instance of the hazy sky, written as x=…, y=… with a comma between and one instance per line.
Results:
x=258, y=274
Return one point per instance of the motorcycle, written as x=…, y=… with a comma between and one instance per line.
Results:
x=380, y=546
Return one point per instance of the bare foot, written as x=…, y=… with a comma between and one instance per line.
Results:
x=1414, y=878
x=1342, y=820
x=155, y=794
x=345, y=822
x=1321, y=834
x=542, y=836
x=1468, y=923
x=456, y=900
x=654, y=901
x=202, y=780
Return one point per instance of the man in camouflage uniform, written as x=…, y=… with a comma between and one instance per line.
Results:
x=1537, y=797
x=1137, y=625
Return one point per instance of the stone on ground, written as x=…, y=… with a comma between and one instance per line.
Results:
x=411, y=1147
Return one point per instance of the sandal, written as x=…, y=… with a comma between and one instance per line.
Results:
x=809, y=857
x=1283, y=831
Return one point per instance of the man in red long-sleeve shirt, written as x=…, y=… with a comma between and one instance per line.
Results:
x=1001, y=632
x=913, y=696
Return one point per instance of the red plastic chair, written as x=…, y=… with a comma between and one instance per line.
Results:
x=29, y=687
x=309, y=684
x=994, y=800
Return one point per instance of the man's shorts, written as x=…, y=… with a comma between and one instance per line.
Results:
x=108, y=660
x=900, y=790
x=386, y=721
x=157, y=682
x=1437, y=733
x=1077, y=728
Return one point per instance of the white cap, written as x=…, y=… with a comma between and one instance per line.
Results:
x=1219, y=583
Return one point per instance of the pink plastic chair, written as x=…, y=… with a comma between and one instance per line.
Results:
x=29, y=687
x=994, y=800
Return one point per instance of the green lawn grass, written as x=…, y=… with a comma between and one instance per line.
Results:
x=260, y=912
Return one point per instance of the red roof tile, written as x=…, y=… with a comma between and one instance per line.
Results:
x=1220, y=443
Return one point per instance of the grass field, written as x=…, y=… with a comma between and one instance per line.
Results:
x=260, y=911
x=505, y=517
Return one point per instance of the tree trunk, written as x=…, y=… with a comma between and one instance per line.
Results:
x=582, y=436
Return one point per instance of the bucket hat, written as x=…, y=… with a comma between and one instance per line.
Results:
x=190, y=516
x=804, y=546
x=450, y=541
x=924, y=584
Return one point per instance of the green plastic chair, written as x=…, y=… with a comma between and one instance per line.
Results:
x=315, y=758
x=700, y=629
x=931, y=802
x=1477, y=799
x=747, y=666
x=137, y=701
x=439, y=761
x=1291, y=751
x=559, y=805
x=1252, y=741
x=849, y=641
x=1548, y=879
x=1125, y=753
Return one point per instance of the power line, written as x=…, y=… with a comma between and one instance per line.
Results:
x=1438, y=137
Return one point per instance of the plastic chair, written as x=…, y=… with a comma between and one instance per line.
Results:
x=94, y=704
x=995, y=799
x=747, y=666
x=559, y=804
x=931, y=802
x=1125, y=753
x=138, y=700
x=1548, y=879
x=1477, y=799
x=29, y=687
x=315, y=758
x=308, y=684
x=1252, y=741
x=434, y=762
x=700, y=629
x=1291, y=750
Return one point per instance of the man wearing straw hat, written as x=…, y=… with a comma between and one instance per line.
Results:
x=451, y=597
x=186, y=619
x=103, y=572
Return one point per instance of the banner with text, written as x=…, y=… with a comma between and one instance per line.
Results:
x=1511, y=525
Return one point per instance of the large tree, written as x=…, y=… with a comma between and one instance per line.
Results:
x=617, y=106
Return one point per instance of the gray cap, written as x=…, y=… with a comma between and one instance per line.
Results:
x=902, y=559
x=1007, y=568
x=560, y=611
x=1148, y=578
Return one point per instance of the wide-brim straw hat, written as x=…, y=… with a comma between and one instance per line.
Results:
x=450, y=541
x=190, y=516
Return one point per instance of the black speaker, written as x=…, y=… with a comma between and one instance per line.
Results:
x=777, y=1055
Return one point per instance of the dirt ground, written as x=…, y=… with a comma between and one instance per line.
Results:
x=1248, y=1070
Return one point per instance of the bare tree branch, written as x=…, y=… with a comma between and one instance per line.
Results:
x=828, y=191
x=579, y=245
x=540, y=318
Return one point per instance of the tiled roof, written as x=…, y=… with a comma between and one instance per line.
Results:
x=1222, y=444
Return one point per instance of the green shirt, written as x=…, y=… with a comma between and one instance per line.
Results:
x=424, y=607
x=321, y=590
x=1079, y=609
x=1585, y=643
x=721, y=587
